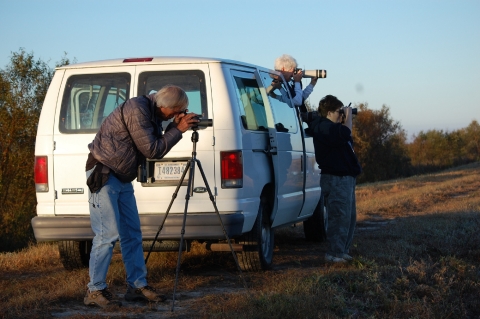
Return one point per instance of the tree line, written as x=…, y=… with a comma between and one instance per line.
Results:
x=382, y=148
x=380, y=143
x=23, y=85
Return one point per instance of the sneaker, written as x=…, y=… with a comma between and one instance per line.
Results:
x=347, y=257
x=333, y=259
x=101, y=298
x=146, y=293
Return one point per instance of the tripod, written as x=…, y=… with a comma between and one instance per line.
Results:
x=190, y=168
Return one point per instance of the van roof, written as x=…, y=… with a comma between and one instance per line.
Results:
x=153, y=60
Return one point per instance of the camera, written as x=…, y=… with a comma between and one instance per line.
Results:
x=312, y=73
x=354, y=110
x=202, y=122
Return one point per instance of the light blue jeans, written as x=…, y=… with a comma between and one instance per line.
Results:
x=339, y=196
x=114, y=216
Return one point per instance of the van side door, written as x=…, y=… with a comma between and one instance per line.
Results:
x=287, y=152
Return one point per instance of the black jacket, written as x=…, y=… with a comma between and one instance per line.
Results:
x=334, y=148
x=131, y=133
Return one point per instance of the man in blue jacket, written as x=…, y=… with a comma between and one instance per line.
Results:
x=332, y=138
x=131, y=133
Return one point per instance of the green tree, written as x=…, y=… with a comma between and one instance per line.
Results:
x=471, y=135
x=380, y=144
x=23, y=85
x=435, y=149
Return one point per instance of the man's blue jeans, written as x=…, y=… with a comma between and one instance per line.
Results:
x=339, y=196
x=114, y=216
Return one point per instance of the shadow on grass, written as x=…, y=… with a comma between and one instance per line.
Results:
x=419, y=266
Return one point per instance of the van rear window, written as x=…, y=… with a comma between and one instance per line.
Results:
x=191, y=81
x=89, y=98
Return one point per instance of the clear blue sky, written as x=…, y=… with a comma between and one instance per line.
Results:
x=420, y=58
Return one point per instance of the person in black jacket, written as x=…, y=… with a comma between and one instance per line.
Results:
x=332, y=138
x=131, y=133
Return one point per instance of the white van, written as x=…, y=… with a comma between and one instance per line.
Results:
x=258, y=161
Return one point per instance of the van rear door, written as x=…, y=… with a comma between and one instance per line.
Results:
x=154, y=196
x=87, y=97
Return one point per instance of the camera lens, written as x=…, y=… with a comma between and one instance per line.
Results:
x=202, y=122
x=354, y=111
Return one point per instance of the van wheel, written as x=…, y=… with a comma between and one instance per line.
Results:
x=258, y=243
x=75, y=254
x=315, y=228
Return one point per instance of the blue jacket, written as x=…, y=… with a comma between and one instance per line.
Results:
x=334, y=148
x=131, y=133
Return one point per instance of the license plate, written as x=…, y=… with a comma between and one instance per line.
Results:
x=170, y=171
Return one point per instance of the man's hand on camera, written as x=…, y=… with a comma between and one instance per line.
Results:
x=313, y=82
x=297, y=77
x=347, y=111
x=186, y=121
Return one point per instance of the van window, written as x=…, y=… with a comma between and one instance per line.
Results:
x=251, y=104
x=285, y=116
x=191, y=81
x=89, y=98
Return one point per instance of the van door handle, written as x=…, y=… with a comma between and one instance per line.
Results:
x=272, y=150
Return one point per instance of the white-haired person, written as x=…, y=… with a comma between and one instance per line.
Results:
x=286, y=65
x=131, y=133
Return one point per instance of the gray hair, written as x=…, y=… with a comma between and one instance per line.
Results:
x=286, y=62
x=172, y=97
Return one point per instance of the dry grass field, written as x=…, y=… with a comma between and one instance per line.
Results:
x=416, y=255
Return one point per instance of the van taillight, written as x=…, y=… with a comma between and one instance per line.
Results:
x=41, y=173
x=232, y=169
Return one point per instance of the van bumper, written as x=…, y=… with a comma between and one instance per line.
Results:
x=197, y=226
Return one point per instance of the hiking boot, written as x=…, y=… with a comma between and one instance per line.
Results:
x=347, y=257
x=146, y=293
x=333, y=259
x=101, y=298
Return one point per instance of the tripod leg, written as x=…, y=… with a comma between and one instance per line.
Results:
x=187, y=198
x=212, y=199
x=174, y=196
x=192, y=162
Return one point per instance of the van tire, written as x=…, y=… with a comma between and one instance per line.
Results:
x=258, y=244
x=315, y=228
x=75, y=254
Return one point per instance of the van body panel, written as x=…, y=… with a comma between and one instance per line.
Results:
x=45, y=144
